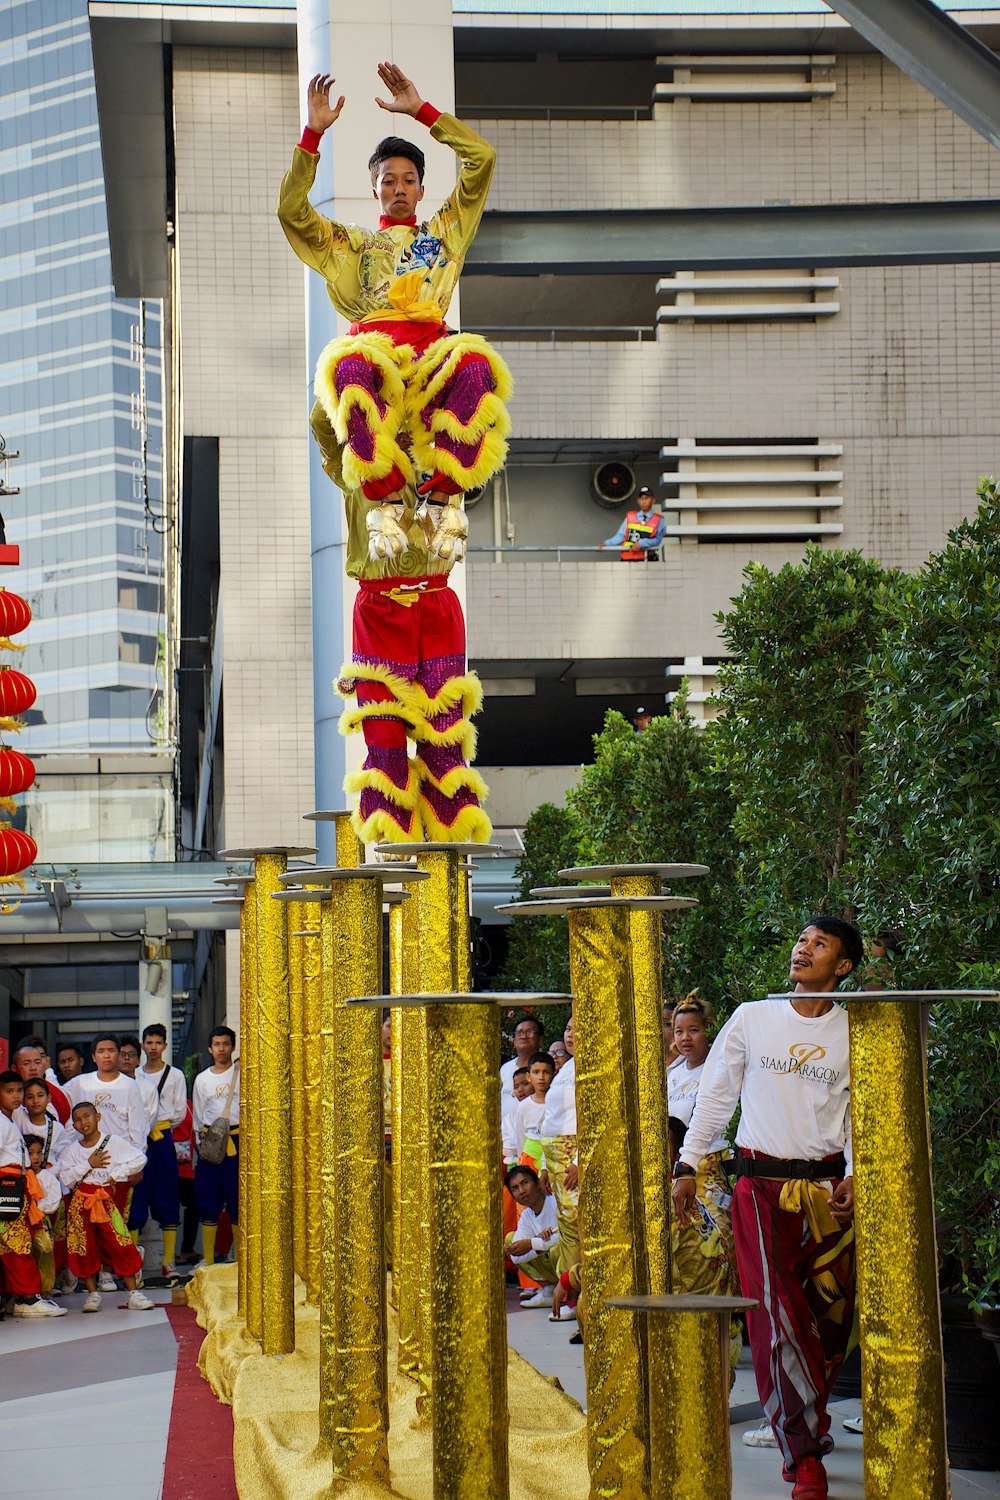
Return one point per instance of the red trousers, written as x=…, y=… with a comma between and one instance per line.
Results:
x=92, y=1243
x=798, y=1334
x=19, y=1275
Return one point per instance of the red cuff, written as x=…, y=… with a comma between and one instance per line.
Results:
x=427, y=114
x=310, y=140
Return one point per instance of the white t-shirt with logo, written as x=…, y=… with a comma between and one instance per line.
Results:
x=790, y=1074
x=120, y=1106
x=208, y=1098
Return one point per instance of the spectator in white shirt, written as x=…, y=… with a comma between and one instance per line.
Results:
x=508, y=1115
x=534, y=1245
x=557, y=1131
x=529, y=1037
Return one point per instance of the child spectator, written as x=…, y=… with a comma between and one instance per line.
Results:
x=534, y=1244
x=42, y=1245
x=37, y=1117
x=31, y=1060
x=17, y=1264
x=541, y=1071
x=217, y=1186
x=508, y=1113
x=95, y=1228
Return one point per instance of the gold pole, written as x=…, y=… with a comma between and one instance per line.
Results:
x=468, y=1322
x=277, y=1290
x=650, y=1082
x=297, y=1079
x=247, y=956
x=411, y=1166
x=396, y=1079
x=902, y=1375
x=359, y=1401
x=610, y=1185
x=689, y=1392
x=312, y=985
x=250, y=1129
x=330, y=1317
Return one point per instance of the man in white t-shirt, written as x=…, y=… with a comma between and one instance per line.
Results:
x=534, y=1245
x=529, y=1037
x=787, y=1064
x=216, y=1186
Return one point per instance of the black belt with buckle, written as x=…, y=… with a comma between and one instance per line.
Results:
x=781, y=1170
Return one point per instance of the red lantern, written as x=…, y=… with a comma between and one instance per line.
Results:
x=15, y=613
x=17, y=772
x=17, y=851
x=17, y=692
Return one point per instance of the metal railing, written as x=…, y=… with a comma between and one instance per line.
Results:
x=555, y=333
x=559, y=548
x=550, y=112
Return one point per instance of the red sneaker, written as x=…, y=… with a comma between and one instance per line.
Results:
x=810, y=1480
x=788, y=1473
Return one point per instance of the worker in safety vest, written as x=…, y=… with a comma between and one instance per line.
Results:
x=641, y=532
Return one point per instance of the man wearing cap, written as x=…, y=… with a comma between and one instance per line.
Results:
x=640, y=534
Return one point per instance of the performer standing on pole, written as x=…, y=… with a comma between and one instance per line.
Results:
x=786, y=1062
x=409, y=416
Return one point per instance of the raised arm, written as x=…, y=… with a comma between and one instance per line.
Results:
x=458, y=219
x=317, y=241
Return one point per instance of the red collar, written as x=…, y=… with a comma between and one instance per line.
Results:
x=386, y=223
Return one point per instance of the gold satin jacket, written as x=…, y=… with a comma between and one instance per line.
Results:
x=393, y=270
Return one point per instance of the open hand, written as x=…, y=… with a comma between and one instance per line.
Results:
x=100, y=1158
x=321, y=112
x=405, y=99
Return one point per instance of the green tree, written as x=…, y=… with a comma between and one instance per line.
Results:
x=657, y=797
x=538, y=947
x=791, y=745
x=930, y=822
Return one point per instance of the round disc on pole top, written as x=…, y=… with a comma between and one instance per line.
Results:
x=620, y=872
x=464, y=997
x=326, y=816
x=292, y=852
x=408, y=850
x=556, y=892
x=327, y=874
x=682, y=1302
x=907, y=997
x=559, y=906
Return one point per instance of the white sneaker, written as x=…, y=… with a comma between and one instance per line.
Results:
x=854, y=1424
x=40, y=1308
x=92, y=1302
x=542, y=1298
x=760, y=1437
x=139, y=1302
x=564, y=1315
x=106, y=1282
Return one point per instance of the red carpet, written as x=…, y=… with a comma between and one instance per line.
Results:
x=200, y=1441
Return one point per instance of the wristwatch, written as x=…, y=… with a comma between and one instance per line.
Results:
x=682, y=1169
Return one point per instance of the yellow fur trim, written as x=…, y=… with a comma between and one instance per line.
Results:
x=358, y=781
x=12, y=726
x=443, y=358
x=489, y=461
x=6, y=644
x=353, y=672
x=352, y=719
x=471, y=826
x=452, y=781
x=387, y=455
x=490, y=416
x=461, y=733
x=380, y=827
x=412, y=701
x=380, y=352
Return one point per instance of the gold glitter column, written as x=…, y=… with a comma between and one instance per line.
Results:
x=650, y=1083
x=411, y=1166
x=613, y=1262
x=297, y=1095
x=330, y=1314
x=396, y=1077
x=359, y=1406
x=902, y=1379
x=248, y=959
x=278, y=1331
x=250, y=1249
x=312, y=982
x=468, y=1316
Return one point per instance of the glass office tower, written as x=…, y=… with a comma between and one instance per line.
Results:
x=80, y=399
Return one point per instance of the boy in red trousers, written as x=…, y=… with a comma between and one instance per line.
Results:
x=95, y=1230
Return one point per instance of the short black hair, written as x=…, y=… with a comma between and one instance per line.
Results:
x=42, y=1082
x=36, y=1043
x=520, y=1166
x=838, y=927
x=534, y=1021
x=130, y=1041
x=85, y=1104
x=34, y=1140
x=394, y=145
x=542, y=1057
x=222, y=1031
x=105, y=1036
x=155, y=1028
x=9, y=1076
x=519, y=1072
x=70, y=1047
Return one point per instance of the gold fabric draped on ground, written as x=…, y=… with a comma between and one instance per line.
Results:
x=276, y=1418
